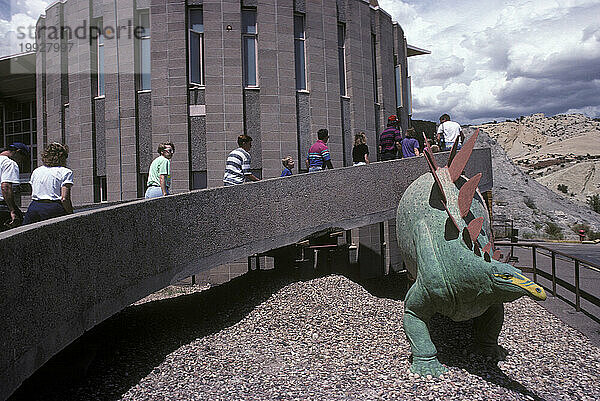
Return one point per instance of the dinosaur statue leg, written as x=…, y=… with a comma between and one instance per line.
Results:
x=424, y=353
x=486, y=329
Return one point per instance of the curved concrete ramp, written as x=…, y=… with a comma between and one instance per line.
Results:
x=63, y=276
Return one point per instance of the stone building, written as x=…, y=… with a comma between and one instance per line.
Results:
x=116, y=78
x=130, y=74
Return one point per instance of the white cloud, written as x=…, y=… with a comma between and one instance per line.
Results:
x=23, y=14
x=497, y=59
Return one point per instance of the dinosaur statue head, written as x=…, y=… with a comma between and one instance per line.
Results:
x=509, y=283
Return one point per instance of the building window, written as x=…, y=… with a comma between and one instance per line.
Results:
x=100, y=60
x=249, y=46
x=100, y=189
x=196, y=43
x=342, y=57
x=374, y=62
x=19, y=124
x=300, y=52
x=398, y=71
x=144, y=50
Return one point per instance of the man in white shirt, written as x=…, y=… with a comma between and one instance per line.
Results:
x=10, y=214
x=447, y=133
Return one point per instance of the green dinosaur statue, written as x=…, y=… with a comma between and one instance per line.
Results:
x=445, y=241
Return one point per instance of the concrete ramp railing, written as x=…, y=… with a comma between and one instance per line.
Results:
x=63, y=276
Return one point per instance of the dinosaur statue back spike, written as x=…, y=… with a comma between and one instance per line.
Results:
x=474, y=228
x=497, y=254
x=453, y=152
x=461, y=159
x=429, y=153
x=466, y=194
x=487, y=247
x=434, y=168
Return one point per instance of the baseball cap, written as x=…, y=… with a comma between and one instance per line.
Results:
x=393, y=118
x=20, y=146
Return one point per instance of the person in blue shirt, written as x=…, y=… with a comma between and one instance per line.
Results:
x=410, y=146
x=288, y=165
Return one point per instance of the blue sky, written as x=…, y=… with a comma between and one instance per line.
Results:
x=490, y=60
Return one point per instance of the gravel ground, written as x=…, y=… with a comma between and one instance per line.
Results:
x=274, y=336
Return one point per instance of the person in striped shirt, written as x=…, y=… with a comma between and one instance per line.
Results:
x=237, y=167
x=318, y=154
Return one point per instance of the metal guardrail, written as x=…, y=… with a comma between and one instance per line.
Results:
x=574, y=288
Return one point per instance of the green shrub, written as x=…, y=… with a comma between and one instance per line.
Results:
x=530, y=203
x=528, y=235
x=538, y=226
x=553, y=231
x=594, y=202
x=563, y=188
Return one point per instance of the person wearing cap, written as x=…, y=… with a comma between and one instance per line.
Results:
x=50, y=186
x=448, y=131
x=10, y=157
x=390, y=140
x=159, y=174
x=318, y=154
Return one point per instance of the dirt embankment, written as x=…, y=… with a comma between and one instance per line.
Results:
x=531, y=205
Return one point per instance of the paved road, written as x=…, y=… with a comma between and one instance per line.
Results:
x=589, y=277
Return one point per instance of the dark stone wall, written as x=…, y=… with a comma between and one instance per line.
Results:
x=100, y=125
x=146, y=150
x=252, y=108
x=198, y=143
x=304, y=132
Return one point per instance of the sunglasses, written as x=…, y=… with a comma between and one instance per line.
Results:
x=169, y=150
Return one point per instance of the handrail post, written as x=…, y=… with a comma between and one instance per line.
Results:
x=553, y=273
x=577, y=298
x=534, y=263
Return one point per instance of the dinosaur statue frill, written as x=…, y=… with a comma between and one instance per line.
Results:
x=445, y=240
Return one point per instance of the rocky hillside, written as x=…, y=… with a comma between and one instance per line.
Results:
x=561, y=152
x=531, y=205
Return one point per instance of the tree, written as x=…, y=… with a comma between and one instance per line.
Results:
x=594, y=202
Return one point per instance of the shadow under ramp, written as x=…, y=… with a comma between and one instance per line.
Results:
x=114, y=356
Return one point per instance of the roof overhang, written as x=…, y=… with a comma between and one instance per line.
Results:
x=17, y=77
x=415, y=51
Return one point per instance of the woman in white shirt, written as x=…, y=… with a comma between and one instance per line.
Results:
x=50, y=186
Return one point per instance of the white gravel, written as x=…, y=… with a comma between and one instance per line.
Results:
x=272, y=337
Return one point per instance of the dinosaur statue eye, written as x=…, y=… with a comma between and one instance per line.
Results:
x=504, y=276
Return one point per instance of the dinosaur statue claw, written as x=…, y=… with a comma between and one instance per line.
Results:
x=427, y=367
x=494, y=352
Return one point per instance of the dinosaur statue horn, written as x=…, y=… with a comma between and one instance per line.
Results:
x=497, y=254
x=474, y=228
x=460, y=161
x=466, y=194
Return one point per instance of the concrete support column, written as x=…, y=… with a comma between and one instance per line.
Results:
x=78, y=116
x=169, y=85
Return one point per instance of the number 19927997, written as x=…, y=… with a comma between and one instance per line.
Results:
x=45, y=47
